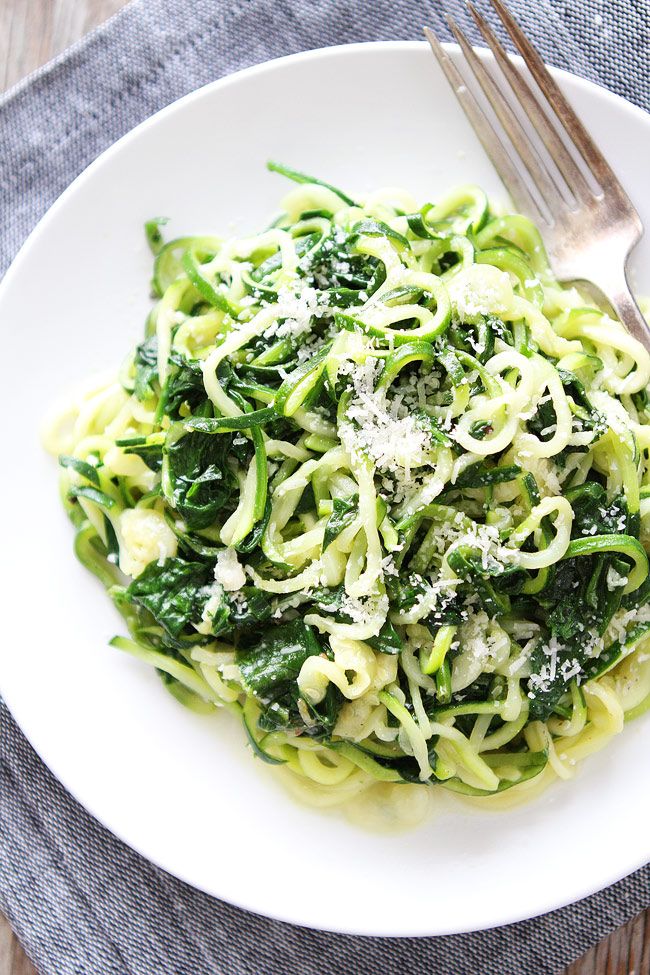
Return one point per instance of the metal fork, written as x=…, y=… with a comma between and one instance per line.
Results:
x=588, y=232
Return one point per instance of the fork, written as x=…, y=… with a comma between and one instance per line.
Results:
x=588, y=232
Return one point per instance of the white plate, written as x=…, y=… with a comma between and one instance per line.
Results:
x=182, y=789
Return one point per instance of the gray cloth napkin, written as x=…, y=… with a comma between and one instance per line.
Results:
x=79, y=900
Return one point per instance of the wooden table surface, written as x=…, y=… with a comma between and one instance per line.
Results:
x=32, y=32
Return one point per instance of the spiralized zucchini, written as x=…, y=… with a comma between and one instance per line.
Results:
x=377, y=484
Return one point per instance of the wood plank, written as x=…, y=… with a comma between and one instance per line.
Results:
x=625, y=952
x=8, y=946
x=30, y=34
x=22, y=964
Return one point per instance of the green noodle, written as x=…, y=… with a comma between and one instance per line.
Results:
x=375, y=482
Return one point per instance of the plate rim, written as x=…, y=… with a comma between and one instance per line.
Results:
x=621, y=105
x=262, y=67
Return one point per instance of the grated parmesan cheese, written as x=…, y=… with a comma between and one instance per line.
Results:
x=614, y=579
x=480, y=289
x=228, y=572
x=297, y=309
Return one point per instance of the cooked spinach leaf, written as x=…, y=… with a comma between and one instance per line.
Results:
x=270, y=672
x=197, y=480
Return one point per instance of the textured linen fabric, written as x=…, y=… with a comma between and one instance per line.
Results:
x=79, y=900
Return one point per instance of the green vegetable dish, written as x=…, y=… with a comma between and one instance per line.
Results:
x=378, y=485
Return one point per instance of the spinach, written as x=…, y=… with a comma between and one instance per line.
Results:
x=431, y=425
x=254, y=537
x=146, y=368
x=270, y=672
x=377, y=228
x=148, y=449
x=585, y=417
x=332, y=602
x=271, y=264
x=197, y=480
x=594, y=515
x=578, y=601
x=592, y=418
x=112, y=545
x=405, y=590
x=408, y=588
x=344, y=511
x=480, y=475
x=478, y=570
x=184, y=386
x=481, y=429
x=387, y=640
x=543, y=418
x=478, y=338
x=248, y=609
x=307, y=501
x=336, y=262
x=175, y=592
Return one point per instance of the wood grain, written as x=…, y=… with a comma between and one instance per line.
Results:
x=32, y=32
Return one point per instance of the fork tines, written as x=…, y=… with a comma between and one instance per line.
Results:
x=560, y=188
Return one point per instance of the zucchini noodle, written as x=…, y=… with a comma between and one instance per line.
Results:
x=377, y=484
